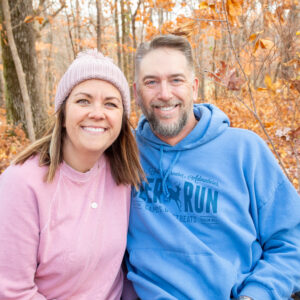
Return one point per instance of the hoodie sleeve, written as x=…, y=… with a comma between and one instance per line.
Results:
x=275, y=210
x=19, y=237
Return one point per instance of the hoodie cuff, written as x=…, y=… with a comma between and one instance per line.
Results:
x=256, y=291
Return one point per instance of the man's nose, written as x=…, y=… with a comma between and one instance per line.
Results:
x=165, y=92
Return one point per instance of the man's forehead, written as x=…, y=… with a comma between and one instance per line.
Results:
x=166, y=61
x=163, y=52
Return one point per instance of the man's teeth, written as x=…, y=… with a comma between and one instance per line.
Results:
x=165, y=108
x=93, y=129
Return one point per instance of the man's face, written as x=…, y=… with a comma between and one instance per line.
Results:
x=166, y=89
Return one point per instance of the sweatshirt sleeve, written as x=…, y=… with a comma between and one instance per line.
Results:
x=19, y=236
x=276, y=214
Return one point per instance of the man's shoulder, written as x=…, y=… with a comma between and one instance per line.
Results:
x=242, y=132
x=241, y=135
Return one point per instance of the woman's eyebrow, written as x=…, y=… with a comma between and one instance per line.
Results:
x=113, y=98
x=83, y=93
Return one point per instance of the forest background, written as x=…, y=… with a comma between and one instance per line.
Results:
x=247, y=58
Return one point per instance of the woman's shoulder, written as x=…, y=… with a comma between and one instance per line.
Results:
x=30, y=170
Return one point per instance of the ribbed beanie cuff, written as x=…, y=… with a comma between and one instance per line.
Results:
x=91, y=64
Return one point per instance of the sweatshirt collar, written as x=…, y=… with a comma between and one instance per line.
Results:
x=75, y=175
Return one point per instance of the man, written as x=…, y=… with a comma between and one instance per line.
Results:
x=216, y=218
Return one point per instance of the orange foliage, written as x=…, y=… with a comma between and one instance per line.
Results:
x=185, y=26
x=167, y=27
x=258, y=51
x=12, y=141
x=165, y=4
x=151, y=31
x=234, y=9
x=280, y=118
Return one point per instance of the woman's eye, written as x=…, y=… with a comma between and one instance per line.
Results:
x=111, y=104
x=82, y=101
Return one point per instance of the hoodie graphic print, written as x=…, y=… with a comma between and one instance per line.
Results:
x=180, y=186
x=208, y=213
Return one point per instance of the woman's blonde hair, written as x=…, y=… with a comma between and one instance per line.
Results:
x=123, y=154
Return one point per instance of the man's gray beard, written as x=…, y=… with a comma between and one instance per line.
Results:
x=166, y=130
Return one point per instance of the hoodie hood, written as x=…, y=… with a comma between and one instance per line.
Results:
x=211, y=123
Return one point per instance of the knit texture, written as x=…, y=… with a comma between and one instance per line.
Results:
x=91, y=64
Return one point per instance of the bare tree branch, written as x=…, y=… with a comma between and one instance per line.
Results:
x=253, y=111
x=63, y=5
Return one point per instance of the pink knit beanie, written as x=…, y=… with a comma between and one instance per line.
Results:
x=91, y=64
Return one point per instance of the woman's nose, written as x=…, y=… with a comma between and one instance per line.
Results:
x=97, y=112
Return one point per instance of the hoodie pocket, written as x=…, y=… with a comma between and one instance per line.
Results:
x=163, y=274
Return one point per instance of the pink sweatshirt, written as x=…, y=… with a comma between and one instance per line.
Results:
x=63, y=240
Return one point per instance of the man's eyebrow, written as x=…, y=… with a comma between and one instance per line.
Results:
x=177, y=75
x=149, y=77
x=156, y=76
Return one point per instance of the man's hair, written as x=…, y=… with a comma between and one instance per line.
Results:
x=164, y=41
x=122, y=155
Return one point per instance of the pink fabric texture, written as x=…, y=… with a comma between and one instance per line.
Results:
x=63, y=240
x=91, y=64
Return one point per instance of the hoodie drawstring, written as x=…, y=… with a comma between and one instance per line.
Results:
x=165, y=176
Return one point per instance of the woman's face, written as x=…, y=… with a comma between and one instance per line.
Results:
x=93, y=119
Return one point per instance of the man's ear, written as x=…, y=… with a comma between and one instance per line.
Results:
x=195, y=86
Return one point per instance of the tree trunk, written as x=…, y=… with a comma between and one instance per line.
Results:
x=1, y=87
x=48, y=75
x=99, y=18
x=133, y=30
x=118, y=34
x=160, y=19
x=214, y=68
x=19, y=69
x=124, y=35
x=78, y=27
x=1, y=90
x=24, y=38
x=288, y=44
x=70, y=34
x=202, y=79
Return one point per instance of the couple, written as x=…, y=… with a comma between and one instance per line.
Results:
x=215, y=218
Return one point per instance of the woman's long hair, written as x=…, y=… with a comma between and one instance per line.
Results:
x=123, y=154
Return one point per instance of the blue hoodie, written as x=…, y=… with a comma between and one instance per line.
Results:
x=216, y=219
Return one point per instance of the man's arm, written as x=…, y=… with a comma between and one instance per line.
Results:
x=277, y=221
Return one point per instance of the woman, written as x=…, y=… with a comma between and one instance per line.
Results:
x=64, y=203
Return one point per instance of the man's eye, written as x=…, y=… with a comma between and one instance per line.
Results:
x=150, y=82
x=177, y=80
x=82, y=101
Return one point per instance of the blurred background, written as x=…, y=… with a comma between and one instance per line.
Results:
x=246, y=52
